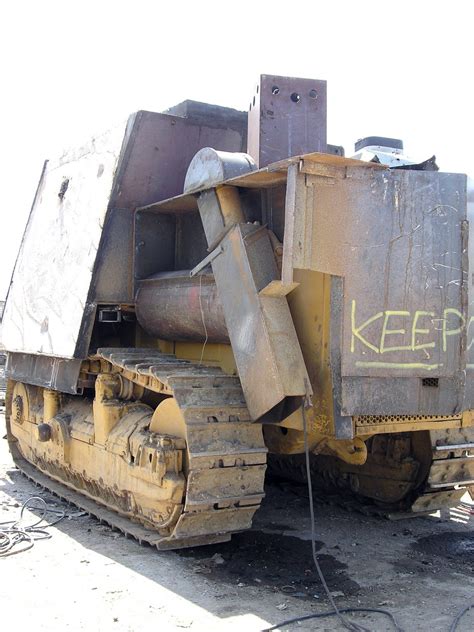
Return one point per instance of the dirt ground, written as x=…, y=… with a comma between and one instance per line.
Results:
x=89, y=577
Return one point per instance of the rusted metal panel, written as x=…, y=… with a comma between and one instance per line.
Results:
x=397, y=239
x=260, y=327
x=158, y=154
x=287, y=117
x=264, y=342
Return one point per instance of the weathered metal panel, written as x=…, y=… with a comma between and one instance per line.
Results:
x=113, y=276
x=397, y=239
x=217, y=115
x=287, y=117
x=154, y=244
x=469, y=387
x=52, y=276
x=274, y=175
x=156, y=154
x=343, y=424
x=77, y=250
x=402, y=396
x=54, y=373
x=191, y=244
x=404, y=274
x=261, y=330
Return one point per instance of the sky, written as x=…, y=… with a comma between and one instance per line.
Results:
x=71, y=69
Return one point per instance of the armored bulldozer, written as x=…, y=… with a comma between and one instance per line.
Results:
x=202, y=292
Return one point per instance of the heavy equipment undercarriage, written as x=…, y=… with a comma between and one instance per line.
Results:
x=166, y=466
x=162, y=345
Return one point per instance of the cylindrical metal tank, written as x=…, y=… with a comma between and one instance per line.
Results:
x=176, y=306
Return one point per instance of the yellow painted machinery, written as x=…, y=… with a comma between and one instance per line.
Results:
x=192, y=281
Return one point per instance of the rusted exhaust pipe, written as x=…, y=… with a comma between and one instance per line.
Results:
x=175, y=306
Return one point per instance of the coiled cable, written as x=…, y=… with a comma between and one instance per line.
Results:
x=16, y=537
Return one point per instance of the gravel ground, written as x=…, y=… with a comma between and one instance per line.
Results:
x=88, y=576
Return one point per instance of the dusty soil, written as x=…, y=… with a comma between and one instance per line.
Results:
x=88, y=576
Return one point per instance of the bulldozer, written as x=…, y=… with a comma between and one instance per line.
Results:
x=203, y=293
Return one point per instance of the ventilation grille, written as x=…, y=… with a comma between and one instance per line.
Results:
x=375, y=420
x=430, y=381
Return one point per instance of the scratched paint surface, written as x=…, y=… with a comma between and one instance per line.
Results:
x=52, y=276
x=412, y=318
x=401, y=253
x=414, y=332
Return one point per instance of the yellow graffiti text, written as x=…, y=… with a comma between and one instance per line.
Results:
x=455, y=330
x=401, y=330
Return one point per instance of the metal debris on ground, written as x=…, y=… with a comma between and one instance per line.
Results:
x=16, y=536
x=217, y=559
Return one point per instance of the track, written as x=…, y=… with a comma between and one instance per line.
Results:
x=431, y=471
x=225, y=460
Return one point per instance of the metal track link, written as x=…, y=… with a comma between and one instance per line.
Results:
x=106, y=516
x=448, y=476
x=226, y=454
x=451, y=471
